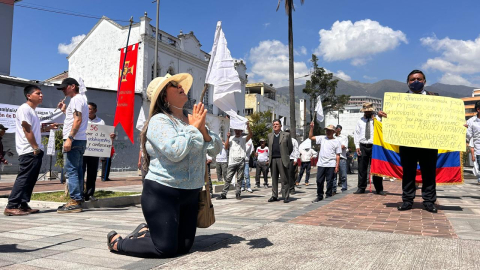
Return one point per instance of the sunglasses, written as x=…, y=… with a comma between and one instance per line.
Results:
x=175, y=84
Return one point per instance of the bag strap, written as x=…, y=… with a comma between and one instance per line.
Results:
x=207, y=187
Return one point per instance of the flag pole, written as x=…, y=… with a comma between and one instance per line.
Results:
x=124, y=57
x=203, y=92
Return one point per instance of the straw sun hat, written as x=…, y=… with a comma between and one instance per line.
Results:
x=156, y=86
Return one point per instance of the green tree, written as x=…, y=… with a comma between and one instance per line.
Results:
x=260, y=124
x=323, y=85
x=288, y=9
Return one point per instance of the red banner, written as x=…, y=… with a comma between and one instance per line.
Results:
x=126, y=90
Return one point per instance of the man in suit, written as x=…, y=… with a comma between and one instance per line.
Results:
x=280, y=145
x=409, y=156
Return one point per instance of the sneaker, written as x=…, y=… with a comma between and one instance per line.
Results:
x=243, y=189
x=92, y=198
x=257, y=185
x=306, y=184
x=222, y=197
x=317, y=200
x=297, y=183
x=71, y=207
x=266, y=185
x=249, y=190
x=238, y=196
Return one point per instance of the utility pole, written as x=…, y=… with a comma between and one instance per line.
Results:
x=155, y=68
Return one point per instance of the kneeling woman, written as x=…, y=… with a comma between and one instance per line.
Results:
x=176, y=144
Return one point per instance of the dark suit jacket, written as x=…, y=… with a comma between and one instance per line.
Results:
x=286, y=147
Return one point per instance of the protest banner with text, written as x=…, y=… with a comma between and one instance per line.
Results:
x=99, y=143
x=8, y=114
x=424, y=121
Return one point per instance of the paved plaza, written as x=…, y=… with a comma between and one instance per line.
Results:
x=346, y=231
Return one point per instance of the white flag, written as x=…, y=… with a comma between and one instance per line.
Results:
x=238, y=122
x=282, y=121
x=222, y=75
x=82, y=88
x=319, y=110
x=141, y=119
x=305, y=144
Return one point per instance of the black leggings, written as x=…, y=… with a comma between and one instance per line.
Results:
x=171, y=215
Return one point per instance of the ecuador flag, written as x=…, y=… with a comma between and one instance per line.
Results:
x=386, y=161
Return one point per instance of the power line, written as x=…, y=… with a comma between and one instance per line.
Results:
x=70, y=13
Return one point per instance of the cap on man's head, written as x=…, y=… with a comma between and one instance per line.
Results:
x=262, y=140
x=66, y=82
x=340, y=127
x=3, y=127
x=330, y=127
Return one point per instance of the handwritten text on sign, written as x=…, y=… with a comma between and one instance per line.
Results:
x=99, y=143
x=424, y=121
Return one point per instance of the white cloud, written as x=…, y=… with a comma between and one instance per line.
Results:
x=269, y=64
x=68, y=48
x=266, y=24
x=301, y=51
x=340, y=74
x=357, y=41
x=454, y=79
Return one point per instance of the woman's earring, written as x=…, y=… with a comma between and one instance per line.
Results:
x=168, y=104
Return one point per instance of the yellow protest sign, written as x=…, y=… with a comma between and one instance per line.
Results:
x=424, y=121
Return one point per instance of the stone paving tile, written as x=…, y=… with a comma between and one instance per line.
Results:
x=61, y=264
x=98, y=261
x=21, y=267
x=378, y=213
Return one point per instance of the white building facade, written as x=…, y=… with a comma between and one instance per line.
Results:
x=96, y=60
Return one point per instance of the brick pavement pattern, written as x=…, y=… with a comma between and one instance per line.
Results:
x=379, y=213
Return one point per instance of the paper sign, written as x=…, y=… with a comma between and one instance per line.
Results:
x=99, y=143
x=424, y=121
x=51, y=143
x=8, y=114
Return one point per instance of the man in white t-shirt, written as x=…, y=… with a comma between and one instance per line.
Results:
x=75, y=142
x=222, y=163
x=342, y=168
x=236, y=161
x=328, y=160
x=262, y=164
x=28, y=142
x=246, y=175
x=306, y=155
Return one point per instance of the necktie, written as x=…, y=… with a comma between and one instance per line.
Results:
x=367, y=130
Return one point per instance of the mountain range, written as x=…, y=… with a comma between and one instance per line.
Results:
x=356, y=88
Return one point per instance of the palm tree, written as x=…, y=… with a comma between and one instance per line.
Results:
x=288, y=9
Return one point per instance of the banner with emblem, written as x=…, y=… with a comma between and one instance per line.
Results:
x=126, y=89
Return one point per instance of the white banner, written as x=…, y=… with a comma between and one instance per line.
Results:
x=99, y=143
x=51, y=143
x=8, y=114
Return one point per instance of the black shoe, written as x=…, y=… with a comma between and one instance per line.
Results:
x=328, y=196
x=430, y=207
x=405, y=206
x=334, y=193
x=238, y=196
x=272, y=199
x=317, y=200
x=222, y=197
x=359, y=191
x=383, y=193
x=286, y=200
x=293, y=192
x=257, y=185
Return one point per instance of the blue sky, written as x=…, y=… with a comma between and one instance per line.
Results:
x=365, y=40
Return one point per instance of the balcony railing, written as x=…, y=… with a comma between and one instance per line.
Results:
x=209, y=108
x=189, y=104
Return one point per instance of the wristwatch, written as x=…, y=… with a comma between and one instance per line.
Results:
x=71, y=138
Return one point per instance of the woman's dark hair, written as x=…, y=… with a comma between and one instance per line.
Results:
x=415, y=71
x=160, y=107
x=477, y=105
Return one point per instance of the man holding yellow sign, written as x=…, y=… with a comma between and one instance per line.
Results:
x=421, y=124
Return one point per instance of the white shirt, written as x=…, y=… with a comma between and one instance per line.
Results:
x=359, y=135
x=262, y=154
x=306, y=156
x=79, y=104
x=328, y=151
x=249, y=150
x=423, y=92
x=295, y=154
x=237, y=150
x=343, y=142
x=26, y=114
x=208, y=157
x=222, y=157
x=97, y=121
x=469, y=123
x=473, y=135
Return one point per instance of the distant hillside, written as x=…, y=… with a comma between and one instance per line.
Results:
x=355, y=88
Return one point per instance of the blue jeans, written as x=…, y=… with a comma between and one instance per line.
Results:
x=342, y=171
x=306, y=166
x=477, y=159
x=74, y=168
x=325, y=173
x=246, y=176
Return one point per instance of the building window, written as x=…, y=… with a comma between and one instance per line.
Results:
x=153, y=76
x=248, y=111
